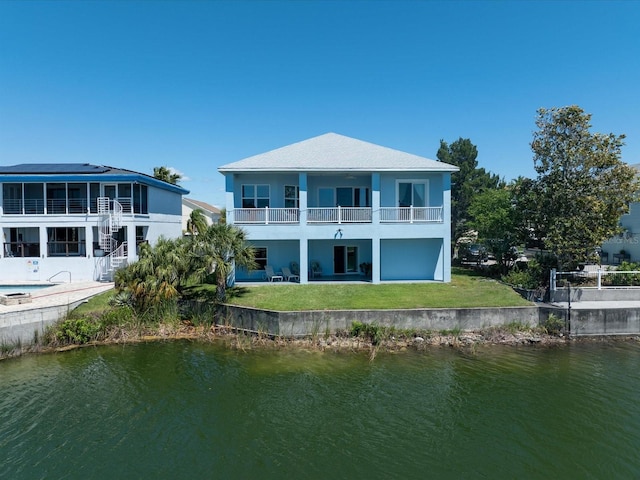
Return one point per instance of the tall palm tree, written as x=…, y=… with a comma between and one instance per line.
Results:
x=157, y=277
x=217, y=251
x=197, y=222
x=166, y=175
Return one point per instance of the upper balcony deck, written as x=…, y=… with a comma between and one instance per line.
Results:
x=335, y=215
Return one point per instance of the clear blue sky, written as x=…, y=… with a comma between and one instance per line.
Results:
x=194, y=85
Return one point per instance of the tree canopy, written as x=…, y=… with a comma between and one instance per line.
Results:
x=466, y=183
x=582, y=187
x=166, y=175
x=197, y=222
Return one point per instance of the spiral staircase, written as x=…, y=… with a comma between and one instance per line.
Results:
x=110, y=222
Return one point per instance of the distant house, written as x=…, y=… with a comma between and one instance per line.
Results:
x=80, y=221
x=211, y=213
x=625, y=246
x=338, y=208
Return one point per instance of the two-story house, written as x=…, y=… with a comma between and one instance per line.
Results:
x=339, y=208
x=79, y=222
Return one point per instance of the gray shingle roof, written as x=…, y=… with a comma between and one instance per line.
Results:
x=333, y=152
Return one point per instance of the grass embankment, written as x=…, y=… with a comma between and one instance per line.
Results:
x=98, y=321
x=464, y=291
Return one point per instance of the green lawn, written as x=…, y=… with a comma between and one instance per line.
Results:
x=463, y=291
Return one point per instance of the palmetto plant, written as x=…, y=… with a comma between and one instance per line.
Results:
x=197, y=222
x=163, y=271
x=216, y=252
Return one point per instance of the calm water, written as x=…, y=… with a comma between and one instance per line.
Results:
x=193, y=410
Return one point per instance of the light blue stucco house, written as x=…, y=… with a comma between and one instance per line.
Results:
x=339, y=208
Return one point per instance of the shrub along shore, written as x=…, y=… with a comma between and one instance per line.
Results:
x=103, y=320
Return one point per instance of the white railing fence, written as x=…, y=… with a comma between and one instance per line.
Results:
x=616, y=278
x=339, y=215
x=410, y=214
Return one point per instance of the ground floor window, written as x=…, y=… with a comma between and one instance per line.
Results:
x=261, y=257
x=66, y=242
x=22, y=242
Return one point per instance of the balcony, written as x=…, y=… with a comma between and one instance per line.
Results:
x=411, y=215
x=266, y=216
x=339, y=215
x=336, y=215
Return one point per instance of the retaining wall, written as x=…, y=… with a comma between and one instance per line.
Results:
x=292, y=324
x=592, y=294
x=23, y=327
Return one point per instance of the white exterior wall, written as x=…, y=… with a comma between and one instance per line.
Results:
x=164, y=219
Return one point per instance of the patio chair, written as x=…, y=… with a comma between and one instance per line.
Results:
x=270, y=275
x=316, y=269
x=288, y=276
x=295, y=268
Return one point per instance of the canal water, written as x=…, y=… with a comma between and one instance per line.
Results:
x=200, y=410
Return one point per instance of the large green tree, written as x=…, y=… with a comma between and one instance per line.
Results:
x=466, y=183
x=166, y=175
x=582, y=187
x=499, y=223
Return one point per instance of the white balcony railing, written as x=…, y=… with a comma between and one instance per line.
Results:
x=411, y=214
x=339, y=215
x=266, y=216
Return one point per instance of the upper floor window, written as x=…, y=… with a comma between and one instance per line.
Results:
x=255, y=196
x=291, y=196
x=412, y=193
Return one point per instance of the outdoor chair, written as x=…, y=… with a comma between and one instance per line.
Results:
x=288, y=276
x=271, y=275
x=316, y=269
x=295, y=268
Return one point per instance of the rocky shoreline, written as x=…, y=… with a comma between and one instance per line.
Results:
x=341, y=342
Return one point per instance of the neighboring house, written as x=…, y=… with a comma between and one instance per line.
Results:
x=72, y=222
x=211, y=213
x=341, y=208
x=625, y=246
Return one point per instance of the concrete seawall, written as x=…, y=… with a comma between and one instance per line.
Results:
x=23, y=323
x=292, y=324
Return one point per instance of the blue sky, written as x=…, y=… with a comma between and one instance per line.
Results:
x=195, y=85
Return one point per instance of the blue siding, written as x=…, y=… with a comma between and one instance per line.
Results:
x=410, y=259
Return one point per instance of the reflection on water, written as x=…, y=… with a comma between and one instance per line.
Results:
x=198, y=410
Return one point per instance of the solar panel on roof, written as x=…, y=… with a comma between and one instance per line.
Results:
x=49, y=168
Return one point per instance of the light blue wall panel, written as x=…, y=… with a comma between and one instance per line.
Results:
x=388, y=187
x=280, y=253
x=410, y=259
x=276, y=183
x=322, y=252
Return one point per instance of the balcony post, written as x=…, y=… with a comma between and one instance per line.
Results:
x=410, y=213
x=266, y=215
x=339, y=214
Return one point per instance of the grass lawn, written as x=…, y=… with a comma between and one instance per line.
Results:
x=465, y=290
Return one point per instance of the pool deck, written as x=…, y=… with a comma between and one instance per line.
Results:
x=20, y=323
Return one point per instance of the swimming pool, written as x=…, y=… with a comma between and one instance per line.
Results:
x=5, y=289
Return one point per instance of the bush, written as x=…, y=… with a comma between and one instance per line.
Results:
x=624, y=279
x=78, y=330
x=554, y=325
x=368, y=331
